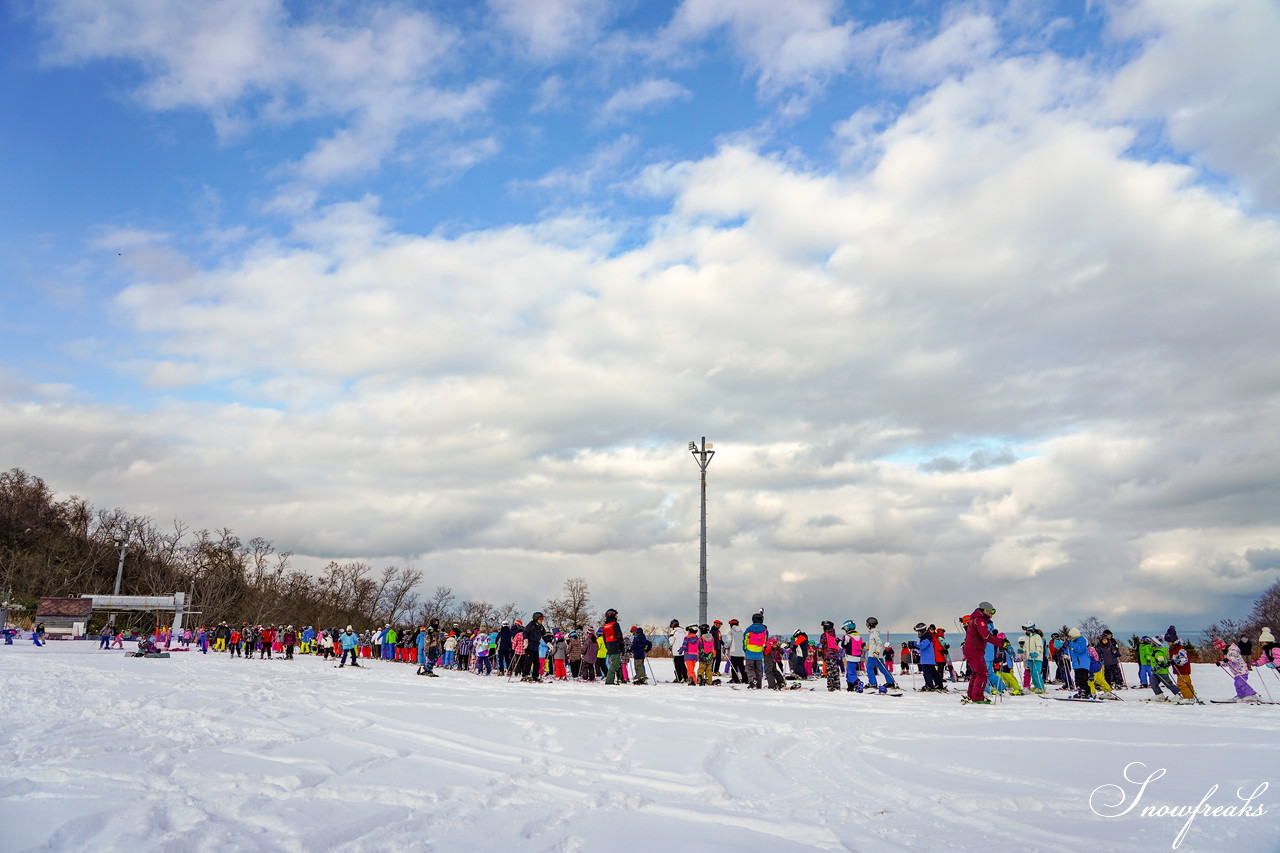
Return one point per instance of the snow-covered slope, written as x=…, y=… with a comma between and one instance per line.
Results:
x=101, y=752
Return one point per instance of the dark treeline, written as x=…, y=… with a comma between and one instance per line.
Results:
x=59, y=548
x=1265, y=614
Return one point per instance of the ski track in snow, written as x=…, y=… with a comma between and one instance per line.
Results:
x=104, y=752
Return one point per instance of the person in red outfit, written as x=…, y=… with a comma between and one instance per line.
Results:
x=976, y=637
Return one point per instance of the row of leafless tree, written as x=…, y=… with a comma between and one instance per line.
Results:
x=57, y=548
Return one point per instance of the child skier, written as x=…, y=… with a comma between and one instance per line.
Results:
x=1233, y=662
x=829, y=643
x=852, y=648
x=706, y=655
x=1101, y=687
x=1078, y=653
x=640, y=647
x=1160, y=672
x=1181, y=662
x=560, y=656
x=1144, y=662
x=1004, y=666
x=773, y=664
x=689, y=650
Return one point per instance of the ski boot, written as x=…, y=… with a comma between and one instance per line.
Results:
x=857, y=686
x=883, y=689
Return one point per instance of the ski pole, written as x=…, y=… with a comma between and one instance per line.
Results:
x=515, y=664
x=1263, y=682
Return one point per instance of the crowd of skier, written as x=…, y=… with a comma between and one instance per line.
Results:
x=752, y=656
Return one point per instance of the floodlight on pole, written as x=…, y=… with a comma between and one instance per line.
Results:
x=703, y=457
x=124, y=547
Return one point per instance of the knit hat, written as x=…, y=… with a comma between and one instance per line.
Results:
x=1073, y=633
x=1266, y=636
x=1218, y=644
x=1171, y=636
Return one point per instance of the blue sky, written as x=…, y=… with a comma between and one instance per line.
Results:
x=976, y=300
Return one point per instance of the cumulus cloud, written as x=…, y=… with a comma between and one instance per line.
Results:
x=1005, y=357
x=1206, y=72
x=244, y=62
x=802, y=48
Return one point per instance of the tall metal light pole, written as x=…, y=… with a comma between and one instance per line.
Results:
x=703, y=457
x=124, y=546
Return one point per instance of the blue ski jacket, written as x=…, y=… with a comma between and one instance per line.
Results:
x=1079, y=651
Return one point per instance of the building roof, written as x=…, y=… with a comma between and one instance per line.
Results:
x=69, y=607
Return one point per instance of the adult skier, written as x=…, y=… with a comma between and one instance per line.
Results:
x=977, y=636
x=533, y=632
x=504, y=648
x=675, y=638
x=873, y=649
x=737, y=673
x=614, y=644
x=754, y=641
x=1109, y=653
x=1035, y=656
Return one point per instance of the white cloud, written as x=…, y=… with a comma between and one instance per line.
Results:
x=508, y=406
x=801, y=47
x=1207, y=72
x=250, y=61
x=552, y=28
x=643, y=97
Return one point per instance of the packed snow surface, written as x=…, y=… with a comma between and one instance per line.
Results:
x=103, y=752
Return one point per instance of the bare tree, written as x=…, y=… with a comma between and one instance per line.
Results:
x=1266, y=610
x=1092, y=628
x=508, y=612
x=472, y=614
x=438, y=608
x=396, y=599
x=574, y=608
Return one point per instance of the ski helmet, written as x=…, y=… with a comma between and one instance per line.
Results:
x=704, y=627
x=537, y=615
x=733, y=621
x=675, y=623
x=920, y=627
x=610, y=614
x=849, y=626
x=757, y=618
x=872, y=621
x=828, y=625
x=986, y=605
